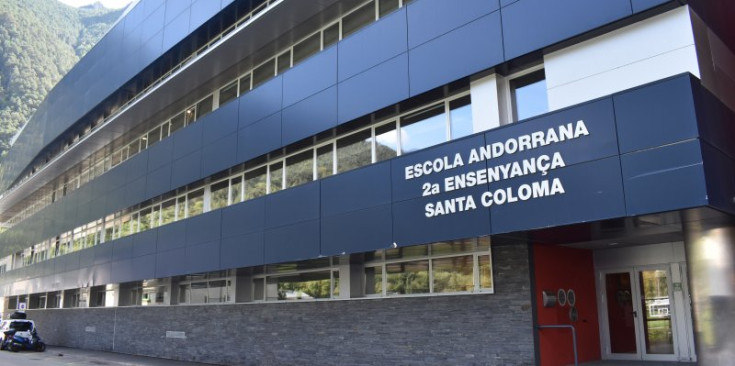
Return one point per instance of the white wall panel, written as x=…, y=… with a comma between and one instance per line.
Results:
x=634, y=55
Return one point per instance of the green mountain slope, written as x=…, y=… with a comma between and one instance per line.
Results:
x=40, y=40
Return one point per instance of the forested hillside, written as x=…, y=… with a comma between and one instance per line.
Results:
x=40, y=40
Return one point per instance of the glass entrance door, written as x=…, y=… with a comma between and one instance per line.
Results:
x=639, y=314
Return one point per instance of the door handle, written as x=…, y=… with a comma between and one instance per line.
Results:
x=635, y=314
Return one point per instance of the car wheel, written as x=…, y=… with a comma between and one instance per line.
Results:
x=40, y=346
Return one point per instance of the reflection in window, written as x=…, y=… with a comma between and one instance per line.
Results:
x=386, y=142
x=302, y=286
x=276, y=177
x=528, y=94
x=228, y=93
x=195, y=204
x=354, y=151
x=236, y=190
x=373, y=280
x=255, y=183
x=263, y=72
x=299, y=169
x=453, y=274
x=204, y=106
x=407, y=278
x=306, y=48
x=324, y=161
x=331, y=35
x=168, y=212
x=357, y=19
x=423, y=129
x=219, y=195
x=460, y=115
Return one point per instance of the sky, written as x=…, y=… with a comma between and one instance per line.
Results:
x=113, y=4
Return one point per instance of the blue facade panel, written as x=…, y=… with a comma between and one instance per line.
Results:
x=641, y=5
x=664, y=178
x=143, y=267
x=174, y=9
x=428, y=19
x=187, y=140
x=144, y=243
x=359, y=189
x=357, y=231
x=158, y=181
x=220, y=123
x=310, y=116
x=219, y=155
x=373, y=89
x=203, y=257
x=135, y=191
x=122, y=248
x=655, y=115
x=313, y=75
x=243, y=218
x=102, y=253
x=171, y=263
x=201, y=11
x=242, y=250
x=292, y=242
x=461, y=52
x=292, y=206
x=171, y=236
x=136, y=166
x=186, y=170
x=529, y=25
x=373, y=45
x=160, y=154
x=203, y=228
x=259, y=138
x=177, y=28
x=261, y=102
x=720, y=178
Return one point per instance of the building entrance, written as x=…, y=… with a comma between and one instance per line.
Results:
x=644, y=308
x=640, y=315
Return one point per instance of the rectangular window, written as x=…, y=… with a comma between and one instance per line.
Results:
x=204, y=106
x=453, y=274
x=358, y=19
x=168, y=211
x=407, y=278
x=303, y=286
x=373, y=280
x=245, y=84
x=284, y=61
x=220, y=193
x=235, y=190
x=460, y=116
x=324, y=161
x=306, y=48
x=486, y=273
x=386, y=142
x=423, y=129
x=354, y=151
x=387, y=6
x=153, y=135
x=264, y=72
x=181, y=208
x=300, y=168
x=276, y=177
x=255, y=183
x=228, y=93
x=195, y=203
x=190, y=115
x=529, y=95
x=331, y=35
x=177, y=122
x=145, y=219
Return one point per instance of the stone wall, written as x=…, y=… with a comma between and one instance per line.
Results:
x=491, y=329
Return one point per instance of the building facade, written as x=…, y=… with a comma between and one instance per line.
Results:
x=420, y=182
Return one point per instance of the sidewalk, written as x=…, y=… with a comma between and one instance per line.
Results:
x=61, y=356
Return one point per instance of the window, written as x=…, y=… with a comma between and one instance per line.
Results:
x=423, y=129
x=255, y=183
x=358, y=19
x=207, y=288
x=528, y=95
x=300, y=168
x=331, y=35
x=386, y=142
x=204, y=106
x=228, y=93
x=324, y=161
x=276, y=177
x=219, y=195
x=306, y=280
x=263, y=72
x=354, y=151
x=306, y=48
x=460, y=115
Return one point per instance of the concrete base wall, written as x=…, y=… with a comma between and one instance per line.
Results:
x=459, y=330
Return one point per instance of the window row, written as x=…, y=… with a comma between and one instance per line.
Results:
x=450, y=267
x=416, y=129
x=102, y=160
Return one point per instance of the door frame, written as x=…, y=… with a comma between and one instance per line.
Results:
x=634, y=272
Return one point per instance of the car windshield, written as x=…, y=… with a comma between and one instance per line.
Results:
x=21, y=326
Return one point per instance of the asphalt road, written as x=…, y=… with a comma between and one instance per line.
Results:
x=60, y=356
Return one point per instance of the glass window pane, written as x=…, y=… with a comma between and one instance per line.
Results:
x=529, y=95
x=423, y=129
x=324, y=161
x=198, y=293
x=331, y=35
x=228, y=93
x=181, y=208
x=204, y=106
x=407, y=278
x=153, y=136
x=177, y=122
x=259, y=289
x=168, y=212
x=284, y=61
x=244, y=84
x=386, y=142
x=452, y=247
x=304, y=286
x=460, y=115
x=190, y=115
x=276, y=175
x=263, y=72
x=235, y=190
x=145, y=219
x=306, y=48
x=486, y=273
x=373, y=280
x=453, y=274
x=255, y=183
x=335, y=284
x=220, y=192
x=300, y=168
x=354, y=151
x=407, y=252
x=195, y=204
x=358, y=19
x=387, y=6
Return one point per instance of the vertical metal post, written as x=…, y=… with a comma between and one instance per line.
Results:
x=574, y=337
